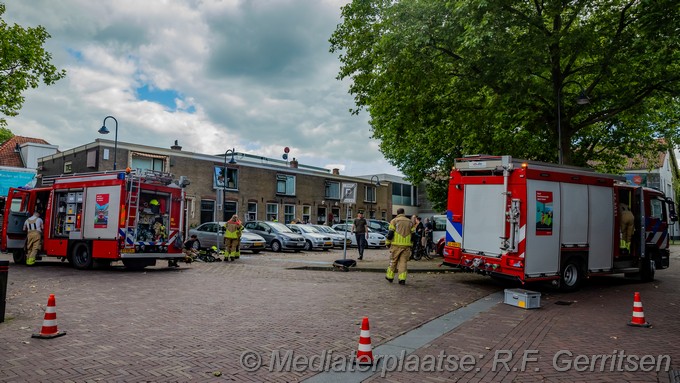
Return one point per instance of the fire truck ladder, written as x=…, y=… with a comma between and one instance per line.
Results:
x=133, y=206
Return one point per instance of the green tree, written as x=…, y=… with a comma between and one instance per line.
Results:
x=23, y=63
x=5, y=134
x=446, y=78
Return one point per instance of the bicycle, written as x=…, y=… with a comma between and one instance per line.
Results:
x=418, y=251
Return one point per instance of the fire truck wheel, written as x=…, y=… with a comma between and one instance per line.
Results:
x=572, y=275
x=81, y=258
x=19, y=256
x=276, y=246
x=647, y=270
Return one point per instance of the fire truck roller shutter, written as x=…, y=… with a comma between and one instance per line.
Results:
x=601, y=228
x=483, y=219
x=543, y=243
x=101, y=212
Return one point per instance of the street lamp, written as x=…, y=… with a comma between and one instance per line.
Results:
x=375, y=194
x=224, y=187
x=104, y=130
x=581, y=100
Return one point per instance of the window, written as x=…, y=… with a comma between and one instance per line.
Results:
x=285, y=184
x=218, y=178
x=332, y=190
x=657, y=209
x=68, y=167
x=207, y=211
x=306, y=214
x=92, y=159
x=145, y=161
x=404, y=194
x=370, y=194
x=288, y=213
x=252, y=211
x=272, y=212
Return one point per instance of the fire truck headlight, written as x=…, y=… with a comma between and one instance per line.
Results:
x=142, y=248
x=477, y=262
x=164, y=249
x=137, y=249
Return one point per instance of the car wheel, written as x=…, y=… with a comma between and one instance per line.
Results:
x=276, y=246
x=647, y=269
x=308, y=245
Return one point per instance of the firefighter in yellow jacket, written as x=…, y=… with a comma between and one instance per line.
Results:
x=232, y=238
x=401, y=229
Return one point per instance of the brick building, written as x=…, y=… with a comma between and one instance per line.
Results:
x=256, y=187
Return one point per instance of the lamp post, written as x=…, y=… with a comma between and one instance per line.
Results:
x=375, y=194
x=224, y=188
x=104, y=130
x=581, y=100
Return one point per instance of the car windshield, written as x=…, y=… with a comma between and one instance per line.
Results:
x=326, y=229
x=279, y=227
x=382, y=224
x=307, y=229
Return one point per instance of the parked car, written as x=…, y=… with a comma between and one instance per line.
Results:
x=208, y=234
x=277, y=235
x=337, y=237
x=375, y=225
x=314, y=238
x=374, y=239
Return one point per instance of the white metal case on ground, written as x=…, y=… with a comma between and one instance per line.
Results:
x=484, y=219
x=542, y=244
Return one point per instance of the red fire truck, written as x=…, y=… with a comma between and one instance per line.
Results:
x=533, y=221
x=106, y=216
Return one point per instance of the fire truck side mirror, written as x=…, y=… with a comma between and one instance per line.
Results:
x=672, y=215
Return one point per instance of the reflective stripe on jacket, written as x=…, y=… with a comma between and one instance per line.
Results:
x=403, y=228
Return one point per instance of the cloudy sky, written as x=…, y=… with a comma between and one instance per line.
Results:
x=214, y=74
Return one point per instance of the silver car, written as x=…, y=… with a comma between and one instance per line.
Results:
x=374, y=239
x=338, y=238
x=278, y=236
x=313, y=237
x=210, y=232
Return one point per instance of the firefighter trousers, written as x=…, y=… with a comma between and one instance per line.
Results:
x=398, y=260
x=231, y=247
x=32, y=246
x=627, y=228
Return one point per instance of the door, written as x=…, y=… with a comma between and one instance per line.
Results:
x=16, y=213
x=484, y=219
x=543, y=228
x=637, y=247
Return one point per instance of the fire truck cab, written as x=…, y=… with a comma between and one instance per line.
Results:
x=533, y=221
x=132, y=216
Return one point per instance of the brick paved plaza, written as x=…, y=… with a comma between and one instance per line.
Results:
x=195, y=322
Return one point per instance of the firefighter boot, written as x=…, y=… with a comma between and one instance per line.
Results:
x=402, y=278
x=390, y=275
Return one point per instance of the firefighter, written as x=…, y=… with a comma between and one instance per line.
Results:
x=190, y=249
x=232, y=238
x=627, y=226
x=34, y=227
x=399, y=242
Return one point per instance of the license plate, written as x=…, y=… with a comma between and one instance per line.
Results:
x=257, y=244
x=382, y=242
x=127, y=251
x=329, y=243
x=453, y=244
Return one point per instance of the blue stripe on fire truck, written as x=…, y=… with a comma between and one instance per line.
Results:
x=454, y=230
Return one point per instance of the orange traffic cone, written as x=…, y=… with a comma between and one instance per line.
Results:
x=638, y=314
x=49, y=327
x=365, y=352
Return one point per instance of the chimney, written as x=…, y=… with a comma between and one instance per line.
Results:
x=294, y=163
x=336, y=171
x=176, y=146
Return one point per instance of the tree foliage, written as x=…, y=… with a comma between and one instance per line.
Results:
x=445, y=78
x=23, y=64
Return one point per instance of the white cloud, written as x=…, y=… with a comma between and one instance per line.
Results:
x=256, y=76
